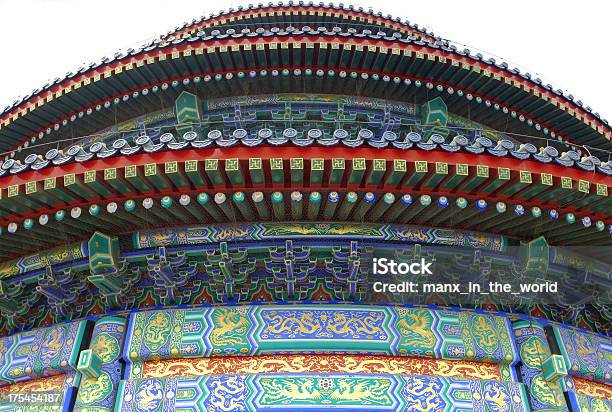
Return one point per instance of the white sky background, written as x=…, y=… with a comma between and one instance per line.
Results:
x=568, y=43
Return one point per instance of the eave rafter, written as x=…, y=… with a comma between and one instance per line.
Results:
x=78, y=195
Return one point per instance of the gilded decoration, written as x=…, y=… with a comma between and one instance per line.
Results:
x=231, y=328
x=317, y=391
x=592, y=389
x=157, y=330
x=416, y=334
x=295, y=230
x=93, y=390
x=321, y=328
x=366, y=364
x=50, y=383
x=327, y=390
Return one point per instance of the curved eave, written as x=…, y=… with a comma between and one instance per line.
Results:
x=530, y=184
x=292, y=14
x=502, y=90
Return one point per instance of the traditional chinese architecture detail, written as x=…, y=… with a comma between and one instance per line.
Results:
x=60, y=289
x=314, y=391
x=230, y=270
x=109, y=273
x=348, y=271
x=192, y=225
x=172, y=275
x=290, y=269
x=534, y=351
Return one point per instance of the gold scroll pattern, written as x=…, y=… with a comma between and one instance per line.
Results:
x=593, y=389
x=50, y=383
x=367, y=364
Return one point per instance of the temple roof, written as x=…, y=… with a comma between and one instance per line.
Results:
x=367, y=48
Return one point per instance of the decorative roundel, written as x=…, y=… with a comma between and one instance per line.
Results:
x=94, y=210
x=50, y=155
x=215, y=134
x=190, y=136
x=184, y=200
x=315, y=133
x=550, y=151
x=459, y=140
x=118, y=144
x=341, y=134
x=333, y=197
x=220, y=198
x=436, y=138
x=529, y=148
x=149, y=396
x=147, y=203
x=365, y=134
x=166, y=138
x=390, y=136
x=481, y=204
x=586, y=221
x=413, y=137
x=142, y=140
x=166, y=201
x=129, y=205
x=519, y=210
x=31, y=158
x=239, y=134
x=8, y=163
x=553, y=214
x=96, y=147
x=75, y=212
x=369, y=197
x=506, y=144
x=257, y=197
x=461, y=202
x=265, y=133
x=425, y=200
x=290, y=133
x=443, y=201
x=12, y=227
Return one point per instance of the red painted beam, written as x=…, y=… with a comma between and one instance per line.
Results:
x=286, y=152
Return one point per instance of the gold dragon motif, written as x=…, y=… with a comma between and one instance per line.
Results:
x=230, y=327
x=415, y=327
x=305, y=324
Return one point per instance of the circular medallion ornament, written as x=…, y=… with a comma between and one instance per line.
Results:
x=497, y=397
x=149, y=395
x=93, y=390
x=540, y=390
x=106, y=347
x=533, y=352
